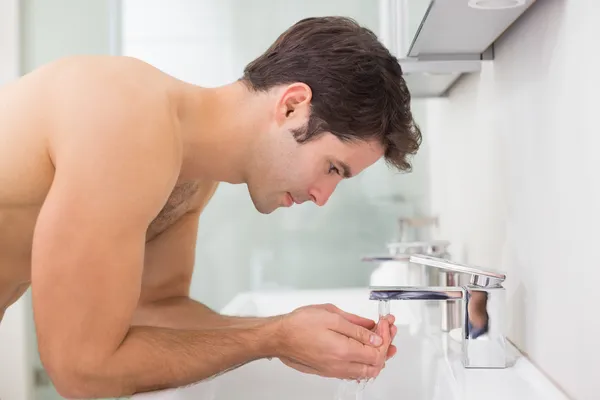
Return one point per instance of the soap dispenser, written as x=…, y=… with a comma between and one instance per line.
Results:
x=396, y=270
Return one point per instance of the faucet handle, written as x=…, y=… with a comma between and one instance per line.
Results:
x=479, y=276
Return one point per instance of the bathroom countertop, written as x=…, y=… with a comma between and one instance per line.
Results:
x=427, y=366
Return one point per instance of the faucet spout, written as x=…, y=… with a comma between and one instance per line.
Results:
x=417, y=293
x=483, y=309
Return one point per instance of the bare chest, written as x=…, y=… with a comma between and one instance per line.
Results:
x=185, y=196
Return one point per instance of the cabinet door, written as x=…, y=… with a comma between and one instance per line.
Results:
x=399, y=22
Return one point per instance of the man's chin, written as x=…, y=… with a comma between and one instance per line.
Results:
x=263, y=204
x=265, y=209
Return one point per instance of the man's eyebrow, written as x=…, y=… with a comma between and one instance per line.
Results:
x=346, y=172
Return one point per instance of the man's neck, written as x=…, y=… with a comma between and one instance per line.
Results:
x=220, y=127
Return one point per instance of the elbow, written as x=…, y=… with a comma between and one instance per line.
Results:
x=70, y=386
x=72, y=379
x=68, y=383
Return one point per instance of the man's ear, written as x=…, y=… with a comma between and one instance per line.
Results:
x=293, y=103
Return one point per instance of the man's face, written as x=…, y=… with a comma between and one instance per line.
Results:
x=284, y=172
x=289, y=173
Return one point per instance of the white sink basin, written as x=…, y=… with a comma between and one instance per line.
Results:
x=421, y=370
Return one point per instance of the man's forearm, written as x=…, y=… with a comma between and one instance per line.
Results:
x=152, y=358
x=182, y=313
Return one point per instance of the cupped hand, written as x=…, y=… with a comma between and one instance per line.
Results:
x=326, y=341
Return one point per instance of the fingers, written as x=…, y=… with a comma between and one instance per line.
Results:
x=353, y=318
x=358, y=352
x=343, y=371
x=391, y=319
x=358, y=320
x=383, y=330
x=362, y=371
x=299, y=366
x=392, y=350
x=376, y=356
x=387, y=333
x=357, y=332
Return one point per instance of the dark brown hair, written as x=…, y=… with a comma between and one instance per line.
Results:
x=358, y=92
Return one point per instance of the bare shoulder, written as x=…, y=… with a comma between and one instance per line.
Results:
x=116, y=117
x=122, y=99
x=108, y=83
x=103, y=69
x=119, y=105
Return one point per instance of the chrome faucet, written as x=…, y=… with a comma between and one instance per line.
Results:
x=483, y=300
x=427, y=276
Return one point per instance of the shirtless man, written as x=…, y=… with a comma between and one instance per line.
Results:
x=106, y=164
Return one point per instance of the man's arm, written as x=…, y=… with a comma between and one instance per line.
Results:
x=185, y=313
x=112, y=177
x=168, y=267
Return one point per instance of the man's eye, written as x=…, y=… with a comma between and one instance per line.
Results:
x=333, y=168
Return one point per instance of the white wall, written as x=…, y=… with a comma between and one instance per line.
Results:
x=208, y=43
x=16, y=380
x=515, y=167
x=15, y=377
x=58, y=28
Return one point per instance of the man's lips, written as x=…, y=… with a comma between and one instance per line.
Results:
x=289, y=200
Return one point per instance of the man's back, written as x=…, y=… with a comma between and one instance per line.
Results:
x=33, y=112
x=25, y=176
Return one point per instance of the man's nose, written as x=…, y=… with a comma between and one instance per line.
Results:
x=320, y=195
